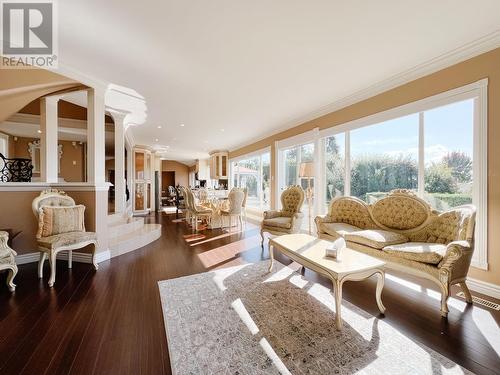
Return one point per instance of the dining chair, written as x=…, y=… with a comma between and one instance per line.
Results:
x=197, y=211
x=235, y=209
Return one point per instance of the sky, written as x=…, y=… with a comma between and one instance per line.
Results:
x=448, y=128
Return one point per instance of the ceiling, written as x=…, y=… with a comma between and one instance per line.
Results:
x=234, y=71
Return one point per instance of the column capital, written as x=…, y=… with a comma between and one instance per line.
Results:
x=119, y=117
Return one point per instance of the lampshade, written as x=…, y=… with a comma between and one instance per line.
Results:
x=306, y=169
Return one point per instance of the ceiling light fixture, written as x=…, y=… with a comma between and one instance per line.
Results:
x=159, y=126
x=156, y=140
x=39, y=131
x=182, y=125
x=222, y=130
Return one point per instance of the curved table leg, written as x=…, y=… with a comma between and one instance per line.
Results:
x=337, y=290
x=380, y=287
x=271, y=256
x=10, y=278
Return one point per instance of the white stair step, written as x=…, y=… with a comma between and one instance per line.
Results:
x=118, y=217
x=134, y=240
x=118, y=228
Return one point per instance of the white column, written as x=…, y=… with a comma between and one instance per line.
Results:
x=96, y=160
x=96, y=153
x=49, y=153
x=119, y=119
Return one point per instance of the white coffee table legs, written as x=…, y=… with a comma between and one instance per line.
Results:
x=337, y=290
x=271, y=256
x=380, y=286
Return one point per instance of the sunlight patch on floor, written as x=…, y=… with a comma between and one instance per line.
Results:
x=223, y=273
x=273, y=356
x=223, y=253
x=245, y=317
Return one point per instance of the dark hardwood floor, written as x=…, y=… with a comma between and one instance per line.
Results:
x=110, y=321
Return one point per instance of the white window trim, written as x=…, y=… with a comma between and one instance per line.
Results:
x=476, y=90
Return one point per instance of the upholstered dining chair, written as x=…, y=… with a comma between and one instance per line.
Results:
x=61, y=227
x=289, y=218
x=197, y=211
x=8, y=260
x=235, y=209
x=244, y=204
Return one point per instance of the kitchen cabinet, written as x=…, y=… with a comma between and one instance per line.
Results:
x=219, y=165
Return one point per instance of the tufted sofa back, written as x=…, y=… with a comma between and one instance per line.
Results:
x=403, y=212
x=352, y=211
x=453, y=225
x=292, y=199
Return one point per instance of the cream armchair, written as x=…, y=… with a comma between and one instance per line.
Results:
x=289, y=218
x=60, y=228
x=8, y=260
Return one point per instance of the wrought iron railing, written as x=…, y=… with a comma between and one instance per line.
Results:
x=15, y=170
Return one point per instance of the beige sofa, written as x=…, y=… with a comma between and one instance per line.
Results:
x=409, y=235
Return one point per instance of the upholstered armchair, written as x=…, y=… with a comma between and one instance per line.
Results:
x=8, y=260
x=289, y=218
x=195, y=211
x=61, y=227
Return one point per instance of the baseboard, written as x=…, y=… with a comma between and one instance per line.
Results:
x=484, y=287
x=77, y=257
x=27, y=258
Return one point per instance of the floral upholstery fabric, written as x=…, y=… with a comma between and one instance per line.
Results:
x=66, y=239
x=431, y=253
x=400, y=212
x=351, y=211
x=279, y=222
x=54, y=220
x=335, y=229
x=376, y=238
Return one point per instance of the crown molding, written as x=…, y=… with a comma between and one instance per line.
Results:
x=455, y=56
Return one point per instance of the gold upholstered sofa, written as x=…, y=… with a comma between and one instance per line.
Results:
x=405, y=232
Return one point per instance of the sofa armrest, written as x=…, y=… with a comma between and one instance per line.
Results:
x=271, y=214
x=456, y=261
x=318, y=220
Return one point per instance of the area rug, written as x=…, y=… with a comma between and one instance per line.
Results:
x=244, y=320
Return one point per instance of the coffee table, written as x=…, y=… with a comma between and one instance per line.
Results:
x=309, y=251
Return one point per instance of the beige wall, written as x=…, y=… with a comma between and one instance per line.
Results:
x=484, y=66
x=71, y=173
x=181, y=171
x=18, y=216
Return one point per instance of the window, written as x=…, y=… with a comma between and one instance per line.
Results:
x=436, y=147
x=448, y=155
x=334, y=167
x=384, y=157
x=253, y=173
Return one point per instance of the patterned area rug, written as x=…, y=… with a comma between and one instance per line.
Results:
x=243, y=320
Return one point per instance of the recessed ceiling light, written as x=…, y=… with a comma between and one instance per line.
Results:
x=159, y=126
x=222, y=130
x=182, y=125
x=156, y=140
x=39, y=131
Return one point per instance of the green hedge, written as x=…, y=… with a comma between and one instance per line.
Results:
x=443, y=201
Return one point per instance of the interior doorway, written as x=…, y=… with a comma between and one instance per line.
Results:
x=167, y=179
